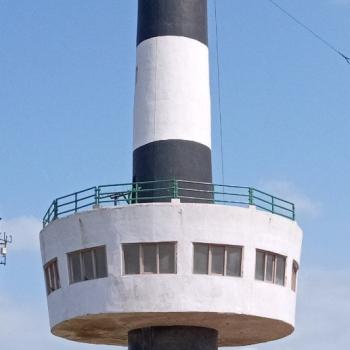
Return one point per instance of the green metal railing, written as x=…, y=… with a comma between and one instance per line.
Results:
x=164, y=191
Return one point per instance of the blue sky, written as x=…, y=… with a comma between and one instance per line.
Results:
x=66, y=101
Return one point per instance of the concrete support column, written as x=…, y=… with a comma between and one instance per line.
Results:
x=173, y=338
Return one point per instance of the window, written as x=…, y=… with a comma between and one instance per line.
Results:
x=213, y=259
x=87, y=264
x=295, y=270
x=52, y=277
x=149, y=258
x=270, y=267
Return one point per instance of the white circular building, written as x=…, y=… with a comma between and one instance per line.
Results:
x=171, y=260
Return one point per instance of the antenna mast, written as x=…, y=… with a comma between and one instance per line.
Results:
x=5, y=239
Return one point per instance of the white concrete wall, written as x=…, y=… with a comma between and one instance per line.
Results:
x=181, y=292
x=172, y=93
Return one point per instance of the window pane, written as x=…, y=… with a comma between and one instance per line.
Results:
x=149, y=255
x=217, y=259
x=57, y=276
x=166, y=258
x=234, y=261
x=76, y=273
x=51, y=278
x=48, y=280
x=88, y=267
x=260, y=266
x=131, y=259
x=269, y=267
x=100, y=262
x=200, y=260
x=280, y=269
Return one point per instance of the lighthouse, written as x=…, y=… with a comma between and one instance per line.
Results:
x=171, y=260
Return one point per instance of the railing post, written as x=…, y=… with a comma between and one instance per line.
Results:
x=251, y=196
x=97, y=196
x=55, y=209
x=293, y=207
x=175, y=189
x=273, y=205
x=136, y=192
x=75, y=202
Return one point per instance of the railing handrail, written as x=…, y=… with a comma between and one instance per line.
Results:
x=136, y=192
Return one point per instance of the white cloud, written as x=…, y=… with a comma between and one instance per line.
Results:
x=24, y=325
x=322, y=313
x=341, y=2
x=25, y=232
x=288, y=191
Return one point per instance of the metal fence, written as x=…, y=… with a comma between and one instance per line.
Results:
x=164, y=191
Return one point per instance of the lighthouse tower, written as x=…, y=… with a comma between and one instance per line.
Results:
x=171, y=260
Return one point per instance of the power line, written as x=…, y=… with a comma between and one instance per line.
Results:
x=317, y=36
x=219, y=93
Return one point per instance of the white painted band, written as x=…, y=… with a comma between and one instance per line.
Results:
x=172, y=94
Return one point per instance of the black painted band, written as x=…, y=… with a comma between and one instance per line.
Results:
x=172, y=17
x=174, y=159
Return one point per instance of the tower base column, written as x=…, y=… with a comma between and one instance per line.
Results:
x=173, y=338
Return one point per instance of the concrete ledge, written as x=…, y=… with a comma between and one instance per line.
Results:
x=112, y=329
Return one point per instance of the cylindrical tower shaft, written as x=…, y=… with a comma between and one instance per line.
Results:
x=172, y=118
x=173, y=338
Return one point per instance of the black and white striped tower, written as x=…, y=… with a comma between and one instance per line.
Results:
x=172, y=115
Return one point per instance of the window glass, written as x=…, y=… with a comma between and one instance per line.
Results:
x=52, y=277
x=260, y=266
x=100, y=262
x=76, y=273
x=234, y=261
x=57, y=284
x=217, y=259
x=47, y=280
x=200, y=264
x=294, y=276
x=166, y=258
x=269, y=267
x=149, y=258
x=280, y=269
x=131, y=259
x=88, y=265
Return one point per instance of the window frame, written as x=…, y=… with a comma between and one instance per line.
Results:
x=274, y=267
x=209, y=259
x=52, y=274
x=141, y=260
x=82, y=267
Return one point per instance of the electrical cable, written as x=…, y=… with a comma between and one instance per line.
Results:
x=317, y=36
x=219, y=97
